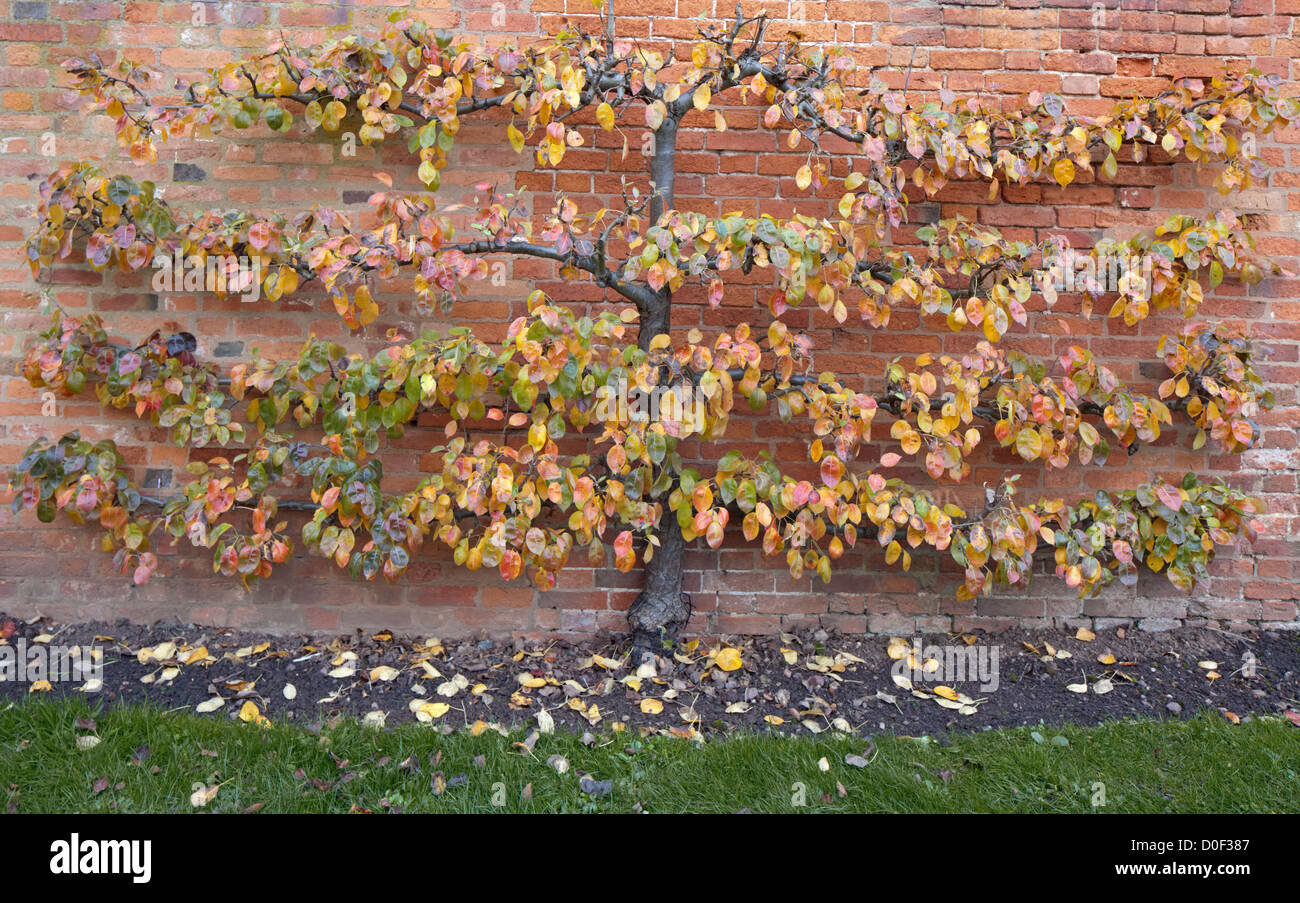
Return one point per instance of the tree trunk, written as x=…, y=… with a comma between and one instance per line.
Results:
x=662, y=609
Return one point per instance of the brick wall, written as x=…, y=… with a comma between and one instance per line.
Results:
x=1092, y=53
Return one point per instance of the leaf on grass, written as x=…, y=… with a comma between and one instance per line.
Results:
x=204, y=795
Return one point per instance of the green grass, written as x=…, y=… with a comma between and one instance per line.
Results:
x=1204, y=765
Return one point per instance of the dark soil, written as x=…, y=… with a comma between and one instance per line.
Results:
x=1154, y=675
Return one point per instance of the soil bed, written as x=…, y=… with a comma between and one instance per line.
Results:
x=834, y=681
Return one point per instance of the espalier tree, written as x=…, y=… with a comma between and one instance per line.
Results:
x=506, y=497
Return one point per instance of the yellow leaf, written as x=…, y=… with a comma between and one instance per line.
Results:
x=517, y=137
x=729, y=659
x=429, y=711
x=605, y=116
x=651, y=706
x=803, y=178
x=703, y=94
x=1063, y=171
x=1085, y=635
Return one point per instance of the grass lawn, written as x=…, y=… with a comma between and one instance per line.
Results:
x=1202, y=765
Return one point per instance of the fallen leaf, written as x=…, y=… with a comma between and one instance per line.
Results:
x=729, y=659
x=249, y=712
x=594, y=788
x=430, y=711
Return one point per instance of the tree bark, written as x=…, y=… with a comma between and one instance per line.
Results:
x=662, y=609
